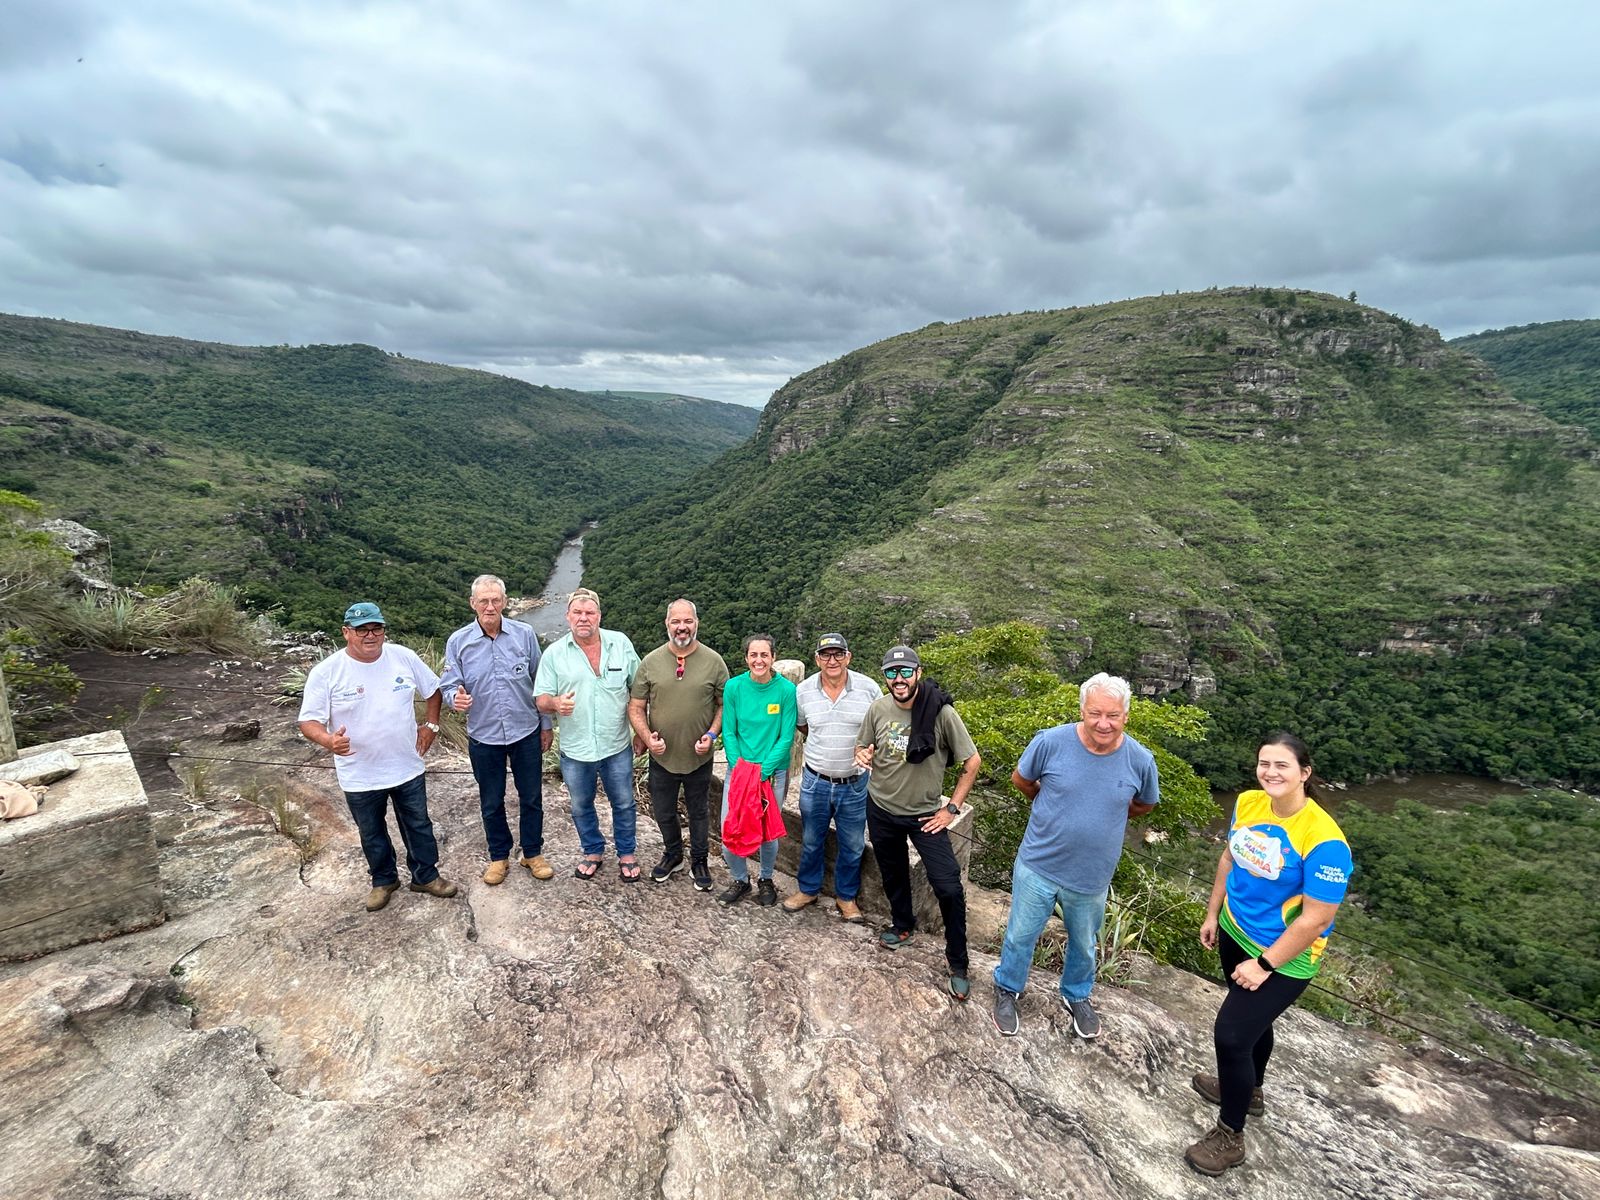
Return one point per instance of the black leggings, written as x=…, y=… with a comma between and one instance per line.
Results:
x=1243, y=1032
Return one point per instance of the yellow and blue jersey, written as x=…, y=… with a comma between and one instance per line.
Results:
x=1277, y=863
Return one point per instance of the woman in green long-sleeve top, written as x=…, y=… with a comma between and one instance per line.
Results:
x=758, y=722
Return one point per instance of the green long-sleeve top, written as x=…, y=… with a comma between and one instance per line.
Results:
x=758, y=721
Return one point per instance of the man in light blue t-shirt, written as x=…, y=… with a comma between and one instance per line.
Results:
x=1085, y=780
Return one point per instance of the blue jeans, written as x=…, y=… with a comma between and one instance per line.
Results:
x=416, y=831
x=1033, y=899
x=845, y=804
x=616, y=773
x=489, y=763
x=769, y=850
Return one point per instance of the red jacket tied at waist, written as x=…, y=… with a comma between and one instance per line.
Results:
x=753, y=815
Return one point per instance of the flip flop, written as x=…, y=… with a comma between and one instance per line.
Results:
x=628, y=871
x=592, y=862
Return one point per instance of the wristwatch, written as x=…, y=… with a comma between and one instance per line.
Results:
x=429, y=725
x=953, y=809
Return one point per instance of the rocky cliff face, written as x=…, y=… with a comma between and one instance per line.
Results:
x=600, y=1039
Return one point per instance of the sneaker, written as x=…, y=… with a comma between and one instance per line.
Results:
x=960, y=987
x=798, y=901
x=1085, y=1023
x=701, y=875
x=892, y=938
x=537, y=867
x=1006, y=1018
x=378, y=897
x=1217, y=1151
x=664, y=870
x=766, y=894
x=1210, y=1088
x=497, y=870
x=437, y=886
x=737, y=891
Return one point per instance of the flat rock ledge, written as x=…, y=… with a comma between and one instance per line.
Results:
x=573, y=1038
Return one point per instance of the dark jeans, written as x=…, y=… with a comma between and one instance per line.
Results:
x=416, y=831
x=889, y=832
x=489, y=768
x=696, y=786
x=1243, y=1032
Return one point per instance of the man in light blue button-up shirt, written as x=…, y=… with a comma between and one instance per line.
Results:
x=583, y=681
x=489, y=668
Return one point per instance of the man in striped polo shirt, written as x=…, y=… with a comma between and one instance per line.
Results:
x=831, y=704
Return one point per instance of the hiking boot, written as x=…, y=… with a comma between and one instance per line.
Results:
x=437, y=886
x=1210, y=1088
x=737, y=891
x=701, y=874
x=537, y=867
x=798, y=901
x=378, y=897
x=1006, y=1018
x=495, y=873
x=1217, y=1151
x=766, y=894
x=1085, y=1022
x=664, y=870
x=848, y=910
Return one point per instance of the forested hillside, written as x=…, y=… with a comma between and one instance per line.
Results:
x=1554, y=365
x=309, y=474
x=1297, y=509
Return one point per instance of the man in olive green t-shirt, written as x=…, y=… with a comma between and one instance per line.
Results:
x=675, y=707
x=907, y=739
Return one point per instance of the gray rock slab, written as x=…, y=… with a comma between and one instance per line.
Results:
x=39, y=765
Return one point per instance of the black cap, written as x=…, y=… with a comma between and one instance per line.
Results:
x=901, y=656
x=832, y=641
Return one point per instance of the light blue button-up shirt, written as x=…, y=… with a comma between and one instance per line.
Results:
x=598, y=726
x=498, y=673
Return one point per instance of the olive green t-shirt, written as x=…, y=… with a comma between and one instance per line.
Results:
x=907, y=788
x=680, y=710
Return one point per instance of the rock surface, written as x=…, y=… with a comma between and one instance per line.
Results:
x=568, y=1039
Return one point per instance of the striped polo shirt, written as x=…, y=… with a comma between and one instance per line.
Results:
x=832, y=725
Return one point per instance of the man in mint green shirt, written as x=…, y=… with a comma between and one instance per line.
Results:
x=758, y=722
x=583, y=681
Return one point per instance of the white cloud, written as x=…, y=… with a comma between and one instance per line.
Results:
x=708, y=198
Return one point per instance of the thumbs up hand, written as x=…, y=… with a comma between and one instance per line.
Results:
x=340, y=744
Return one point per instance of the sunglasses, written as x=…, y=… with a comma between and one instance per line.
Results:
x=368, y=631
x=680, y=668
x=899, y=672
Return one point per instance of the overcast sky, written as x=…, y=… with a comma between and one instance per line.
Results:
x=711, y=198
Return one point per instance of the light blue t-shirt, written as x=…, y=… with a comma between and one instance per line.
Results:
x=1074, y=835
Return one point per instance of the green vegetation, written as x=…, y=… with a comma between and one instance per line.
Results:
x=1555, y=365
x=1341, y=520
x=305, y=476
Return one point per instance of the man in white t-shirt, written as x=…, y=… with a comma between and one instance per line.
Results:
x=359, y=704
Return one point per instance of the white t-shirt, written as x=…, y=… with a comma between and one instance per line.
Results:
x=374, y=703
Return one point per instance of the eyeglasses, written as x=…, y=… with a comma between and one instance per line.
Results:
x=830, y=653
x=680, y=668
x=899, y=672
x=368, y=631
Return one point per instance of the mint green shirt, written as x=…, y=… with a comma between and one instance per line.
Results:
x=758, y=722
x=598, y=726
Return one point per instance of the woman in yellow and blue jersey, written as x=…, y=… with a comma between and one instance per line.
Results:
x=1279, y=882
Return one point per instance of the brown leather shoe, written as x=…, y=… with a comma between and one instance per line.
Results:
x=798, y=901
x=1209, y=1087
x=495, y=873
x=378, y=897
x=537, y=867
x=849, y=911
x=1217, y=1151
x=437, y=886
